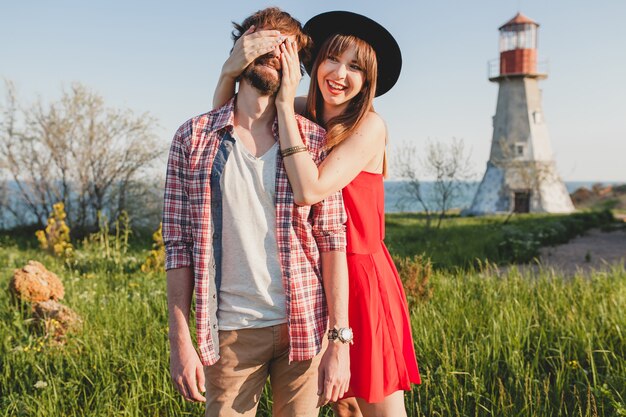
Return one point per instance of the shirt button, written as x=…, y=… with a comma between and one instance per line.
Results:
x=215, y=326
x=214, y=296
x=216, y=235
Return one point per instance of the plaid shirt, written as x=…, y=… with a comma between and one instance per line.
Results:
x=302, y=232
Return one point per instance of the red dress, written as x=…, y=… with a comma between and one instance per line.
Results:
x=382, y=359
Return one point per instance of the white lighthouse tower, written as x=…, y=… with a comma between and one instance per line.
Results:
x=521, y=173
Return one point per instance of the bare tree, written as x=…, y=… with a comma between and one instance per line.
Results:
x=24, y=160
x=4, y=203
x=75, y=150
x=406, y=162
x=449, y=167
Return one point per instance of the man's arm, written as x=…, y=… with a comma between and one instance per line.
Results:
x=185, y=366
x=334, y=369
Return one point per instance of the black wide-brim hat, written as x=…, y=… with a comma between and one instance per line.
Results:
x=388, y=55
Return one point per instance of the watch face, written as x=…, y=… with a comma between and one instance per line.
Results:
x=345, y=334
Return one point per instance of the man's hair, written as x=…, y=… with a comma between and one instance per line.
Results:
x=276, y=19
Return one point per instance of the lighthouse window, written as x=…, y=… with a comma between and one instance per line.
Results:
x=537, y=117
x=508, y=40
x=518, y=37
x=519, y=149
x=521, y=39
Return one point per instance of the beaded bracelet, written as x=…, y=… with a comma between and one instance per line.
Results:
x=292, y=150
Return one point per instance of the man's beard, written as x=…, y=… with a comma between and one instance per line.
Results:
x=259, y=78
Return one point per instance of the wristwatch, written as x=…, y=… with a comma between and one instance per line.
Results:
x=343, y=335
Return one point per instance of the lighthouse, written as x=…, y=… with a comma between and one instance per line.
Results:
x=521, y=174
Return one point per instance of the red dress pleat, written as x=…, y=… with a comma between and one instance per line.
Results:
x=382, y=359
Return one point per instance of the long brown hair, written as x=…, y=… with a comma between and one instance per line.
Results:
x=342, y=126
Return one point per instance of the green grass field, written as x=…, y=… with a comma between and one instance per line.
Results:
x=464, y=242
x=487, y=345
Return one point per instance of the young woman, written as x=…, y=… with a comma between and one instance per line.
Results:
x=355, y=59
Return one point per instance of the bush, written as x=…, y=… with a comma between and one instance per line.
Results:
x=518, y=245
x=55, y=238
x=155, y=262
x=521, y=242
x=415, y=274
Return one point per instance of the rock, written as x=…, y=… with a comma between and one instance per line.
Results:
x=34, y=283
x=56, y=319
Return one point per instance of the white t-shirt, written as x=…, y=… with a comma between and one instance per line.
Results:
x=251, y=292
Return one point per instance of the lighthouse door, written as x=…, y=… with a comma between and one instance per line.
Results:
x=522, y=202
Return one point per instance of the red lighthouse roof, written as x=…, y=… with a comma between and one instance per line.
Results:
x=519, y=19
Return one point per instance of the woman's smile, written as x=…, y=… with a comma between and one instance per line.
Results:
x=335, y=87
x=340, y=78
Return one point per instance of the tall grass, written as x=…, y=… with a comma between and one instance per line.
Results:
x=116, y=366
x=521, y=345
x=508, y=345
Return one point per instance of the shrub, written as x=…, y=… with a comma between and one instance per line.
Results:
x=415, y=274
x=521, y=242
x=155, y=262
x=55, y=238
x=518, y=245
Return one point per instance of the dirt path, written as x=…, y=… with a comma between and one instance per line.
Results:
x=596, y=250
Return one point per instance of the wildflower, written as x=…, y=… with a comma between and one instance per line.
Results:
x=41, y=384
x=573, y=364
x=55, y=238
x=155, y=262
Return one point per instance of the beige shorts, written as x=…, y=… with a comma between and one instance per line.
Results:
x=247, y=357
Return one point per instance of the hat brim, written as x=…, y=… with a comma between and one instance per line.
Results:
x=388, y=55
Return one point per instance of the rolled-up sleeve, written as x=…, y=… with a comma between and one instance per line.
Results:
x=177, y=235
x=328, y=221
x=328, y=217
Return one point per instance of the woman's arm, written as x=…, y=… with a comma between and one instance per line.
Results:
x=248, y=47
x=311, y=184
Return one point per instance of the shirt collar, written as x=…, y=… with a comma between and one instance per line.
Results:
x=225, y=118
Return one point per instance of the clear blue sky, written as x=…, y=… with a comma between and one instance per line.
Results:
x=164, y=58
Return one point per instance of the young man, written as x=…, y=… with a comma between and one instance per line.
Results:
x=270, y=277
